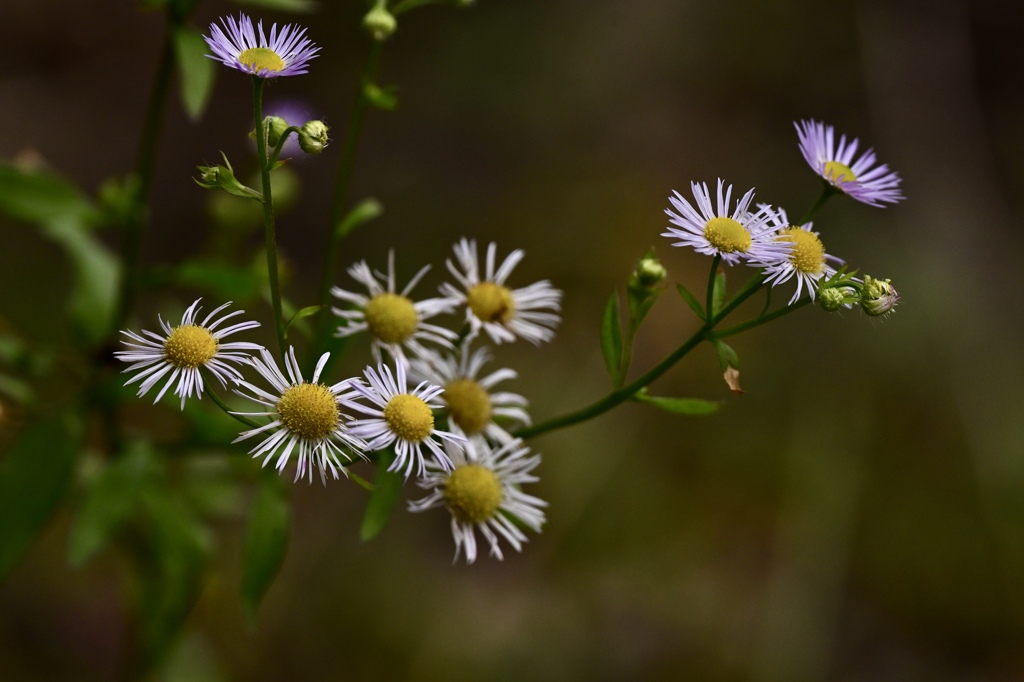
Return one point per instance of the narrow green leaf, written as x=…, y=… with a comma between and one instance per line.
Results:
x=110, y=502
x=197, y=70
x=688, y=406
x=718, y=293
x=382, y=499
x=691, y=300
x=42, y=198
x=611, y=337
x=365, y=211
x=308, y=311
x=34, y=475
x=266, y=540
x=286, y=5
x=726, y=355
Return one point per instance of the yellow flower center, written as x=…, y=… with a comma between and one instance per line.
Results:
x=835, y=170
x=309, y=410
x=258, y=59
x=491, y=302
x=727, y=235
x=391, y=318
x=189, y=346
x=473, y=493
x=470, y=405
x=808, y=255
x=409, y=417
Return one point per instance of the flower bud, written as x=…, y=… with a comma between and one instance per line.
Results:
x=878, y=297
x=647, y=275
x=313, y=137
x=832, y=298
x=380, y=22
x=275, y=129
x=223, y=177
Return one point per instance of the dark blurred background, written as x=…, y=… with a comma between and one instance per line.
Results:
x=857, y=514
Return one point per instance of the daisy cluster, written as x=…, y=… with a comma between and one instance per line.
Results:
x=762, y=236
x=426, y=397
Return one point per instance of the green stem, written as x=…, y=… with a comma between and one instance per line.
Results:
x=346, y=164
x=269, y=236
x=826, y=194
x=280, y=144
x=761, y=319
x=629, y=390
x=709, y=303
x=227, y=410
x=144, y=165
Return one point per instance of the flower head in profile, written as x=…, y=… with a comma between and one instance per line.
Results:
x=713, y=229
x=482, y=493
x=286, y=53
x=505, y=314
x=806, y=260
x=394, y=321
x=183, y=351
x=472, y=406
x=305, y=419
x=864, y=179
x=400, y=418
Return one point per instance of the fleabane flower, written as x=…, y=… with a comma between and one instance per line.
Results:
x=399, y=418
x=482, y=493
x=503, y=313
x=864, y=179
x=305, y=419
x=395, y=321
x=184, y=350
x=472, y=406
x=806, y=260
x=286, y=53
x=715, y=230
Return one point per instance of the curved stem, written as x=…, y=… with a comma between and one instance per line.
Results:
x=761, y=319
x=144, y=165
x=826, y=194
x=280, y=145
x=629, y=390
x=227, y=410
x=269, y=235
x=345, y=167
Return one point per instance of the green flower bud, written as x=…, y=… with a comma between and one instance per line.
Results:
x=223, y=177
x=833, y=298
x=878, y=297
x=650, y=272
x=380, y=22
x=313, y=137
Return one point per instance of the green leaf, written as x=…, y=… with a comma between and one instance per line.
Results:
x=382, y=499
x=308, y=311
x=691, y=300
x=97, y=273
x=611, y=337
x=718, y=293
x=34, y=475
x=688, y=406
x=224, y=281
x=197, y=70
x=726, y=355
x=365, y=211
x=110, y=502
x=43, y=198
x=286, y=5
x=16, y=389
x=266, y=540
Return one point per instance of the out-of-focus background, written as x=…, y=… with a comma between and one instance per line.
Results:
x=857, y=514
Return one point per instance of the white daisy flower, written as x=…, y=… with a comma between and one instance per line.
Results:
x=713, y=230
x=184, y=350
x=305, y=418
x=394, y=321
x=490, y=305
x=400, y=418
x=472, y=407
x=482, y=493
x=287, y=53
x=861, y=179
x=807, y=260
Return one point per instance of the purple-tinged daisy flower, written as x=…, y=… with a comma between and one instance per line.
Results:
x=305, y=419
x=399, y=418
x=864, y=179
x=713, y=230
x=807, y=260
x=482, y=493
x=287, y=53
x=184, y=350
x=504, y=313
